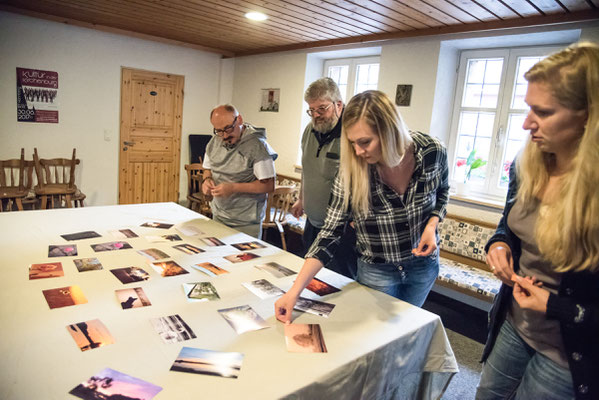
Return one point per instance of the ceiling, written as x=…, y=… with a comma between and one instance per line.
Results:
x=220, y=26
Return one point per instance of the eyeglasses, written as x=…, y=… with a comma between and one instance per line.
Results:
x=227, y=129
x=320, y=110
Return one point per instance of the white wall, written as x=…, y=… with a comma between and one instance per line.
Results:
x=89, y=64
x=284, y=71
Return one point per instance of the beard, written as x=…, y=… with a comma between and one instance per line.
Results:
x=324, y=125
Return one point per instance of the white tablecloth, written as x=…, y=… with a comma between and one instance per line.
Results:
x=378, y=347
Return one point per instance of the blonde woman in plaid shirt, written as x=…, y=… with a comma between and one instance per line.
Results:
x=393, y=185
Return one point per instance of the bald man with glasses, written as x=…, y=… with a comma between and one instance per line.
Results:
x=240, y=171
x=320, y=163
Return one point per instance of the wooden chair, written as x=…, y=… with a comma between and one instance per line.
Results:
x=12, y=183
x=277, y=206
x=197, y=201
x=56, y=181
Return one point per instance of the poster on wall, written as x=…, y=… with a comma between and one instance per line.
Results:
x=270, y=100
x=37, y=93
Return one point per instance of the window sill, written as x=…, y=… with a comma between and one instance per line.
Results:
x=479, y=200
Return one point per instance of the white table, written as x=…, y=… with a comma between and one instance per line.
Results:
x=378, y=347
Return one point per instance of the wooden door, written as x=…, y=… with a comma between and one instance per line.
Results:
x=150, y=138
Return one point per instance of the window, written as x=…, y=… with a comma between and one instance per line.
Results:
x=353, y=75
x=488, y=115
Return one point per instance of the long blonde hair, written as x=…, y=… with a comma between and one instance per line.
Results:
x=376, y=110
x=568, y=232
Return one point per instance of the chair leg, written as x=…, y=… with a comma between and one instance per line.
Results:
x=44, y=205
x=283, y=242
x=19, y=204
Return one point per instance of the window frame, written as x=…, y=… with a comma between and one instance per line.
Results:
x=352, y=64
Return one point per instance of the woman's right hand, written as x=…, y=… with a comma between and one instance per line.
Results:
x=499, y=259
x=297, y=209
x=284, y=307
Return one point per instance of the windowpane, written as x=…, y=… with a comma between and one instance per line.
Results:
x=518, y=102
x=476, y=71
x=474, y=133
x=367, y=76
x=493, y=71
x=339, y=73
x=516, y=138
x=489, y=95
x=524, y=64
x=472, y=95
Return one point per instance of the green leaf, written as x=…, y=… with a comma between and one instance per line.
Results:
x=477, y=163
x=470, y=157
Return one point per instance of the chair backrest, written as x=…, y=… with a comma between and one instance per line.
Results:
x=195, y=177
x=12, y=172
x=278, y=204
x=55, y=170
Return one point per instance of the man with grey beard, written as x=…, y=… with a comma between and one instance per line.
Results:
x=320, y=163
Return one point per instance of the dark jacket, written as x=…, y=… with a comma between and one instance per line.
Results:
x=576, y=306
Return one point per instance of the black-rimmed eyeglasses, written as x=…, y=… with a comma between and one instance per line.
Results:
x=226, y=130
x=320, y=110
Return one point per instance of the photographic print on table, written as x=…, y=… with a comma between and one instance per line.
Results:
x=123, y=234
x=168, y=268
x=66, y=250
x=208, y=362
x=315, y=307
x=160, y=225
x=210, y=269
x=321, y=288
x=304, y=338
x=263, y=288
x=153, y=254
x=173, y=237
x=276, y=269
x=172, y=329
x=81, y=235
x=211, y=241
x=111, y=384
x=201, y=291
x=248, y=245
x=111, y=246
x=87, y=264
x=45, y=270
x=90, y=334
x=243, y=319
x=189, y=230
x=188, y=248
x=132, y=298
x=241, y=257
x=64, y=296
x=130, y=274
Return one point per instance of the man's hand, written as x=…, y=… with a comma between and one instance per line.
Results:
x=297, y=209
x=223, y=189
x=208, y=186
x=530, y=296
x=499, y=258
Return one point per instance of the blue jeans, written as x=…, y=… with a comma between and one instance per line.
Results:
x=409, y=281
x=514, y=370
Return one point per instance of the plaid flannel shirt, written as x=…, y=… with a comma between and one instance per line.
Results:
x=394, y=223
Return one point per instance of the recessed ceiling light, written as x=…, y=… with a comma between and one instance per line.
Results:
x=256, y=16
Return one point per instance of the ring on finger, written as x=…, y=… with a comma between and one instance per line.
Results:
x=492, y=268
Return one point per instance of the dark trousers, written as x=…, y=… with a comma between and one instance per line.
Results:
x=345, y=258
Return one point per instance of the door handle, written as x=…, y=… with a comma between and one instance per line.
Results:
x=129, y=143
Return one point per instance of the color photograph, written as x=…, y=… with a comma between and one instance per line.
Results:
x=87, y=264
x=168, y=268
x=132, y=298
x=172, y=329
x=173, y=237
x=188, y=248
x=130, y=274
x=321, y=288
x=211, y=241
x=276, y=269
x=45, y=270
x=241, y=257
x=263, y=288
x=62, y=250
x=111, y=384
x=243, y=319
x=304, y=338
x=189, y=230
x=203, y=291
x=210, y=269
x=248, y=246
x=90, y=334
x=160, y=225
x=123, y=234
x=81, y=235
x=111, y=246
x=153, y=254
x=315, y=307
x=64, y=297
x=208, y=362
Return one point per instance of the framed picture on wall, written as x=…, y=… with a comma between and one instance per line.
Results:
x=403, y=95
x=270, y=100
